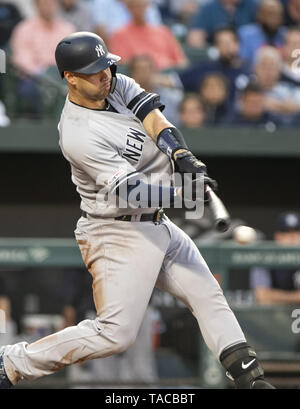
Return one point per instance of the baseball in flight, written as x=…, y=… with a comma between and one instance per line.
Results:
x=244, y=235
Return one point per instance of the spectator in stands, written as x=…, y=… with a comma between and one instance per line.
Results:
x=34, y=40
x=9, y=18
x=78, y=13
x=267, y=30
x=4, y=120
x=251, y=110
x=217, y=13
x=184, y=10
x=290, y=70
x=139, y=37
x=142, y=69
x=191, y=112
x=26, y=8
x=291, y=12
x=279, y=285
x=282, y=98
x=178, y=12
x=112, y=15
x=8, y=328
x=33, y=46
x=214, y=95
x=228, y=63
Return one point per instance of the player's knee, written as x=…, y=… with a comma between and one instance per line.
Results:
x=212, y=292
x=124, y=338
x=121, y=337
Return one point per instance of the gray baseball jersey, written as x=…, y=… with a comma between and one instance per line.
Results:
x=103, y=146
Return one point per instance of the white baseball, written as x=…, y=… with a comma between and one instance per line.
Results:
x=244, y=234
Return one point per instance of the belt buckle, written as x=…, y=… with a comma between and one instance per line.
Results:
x=158, y=216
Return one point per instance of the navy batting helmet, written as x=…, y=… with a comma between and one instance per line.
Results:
x=85, y=53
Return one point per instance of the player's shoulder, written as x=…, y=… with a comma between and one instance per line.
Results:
x=75, y=121
x=81, y=132
x=125, y=91
x=123, y=82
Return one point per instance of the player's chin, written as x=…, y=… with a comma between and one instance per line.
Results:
x=104, y=92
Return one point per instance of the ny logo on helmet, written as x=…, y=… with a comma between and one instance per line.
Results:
x=100, y=50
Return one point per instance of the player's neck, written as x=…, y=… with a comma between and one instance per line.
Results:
x=85, y=102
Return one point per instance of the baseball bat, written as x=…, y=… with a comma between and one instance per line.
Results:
x=218, y=211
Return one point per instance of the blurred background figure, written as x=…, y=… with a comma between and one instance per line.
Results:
x=9, y=17
x=78, y=13
x=282, y=98
x=33, y=44
x=178, y=10
x=34, y=40
x=4, y=120
x=251, y=110
x=26, y=8
x=142, y=38
x=213, y=92
x=291, y=12
x=267, y=30
x=191, y=112
x=279, y=286
x=217, y=13
x=112, y=15
x=177, y=14
x=184, y=10
x=143, y=71
x=8, y=328
x=227, y=63
x=290, y=71
x=135, y=364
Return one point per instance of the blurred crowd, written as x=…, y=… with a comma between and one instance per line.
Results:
x=213, y=62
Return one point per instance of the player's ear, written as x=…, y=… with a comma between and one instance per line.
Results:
x=70, y=77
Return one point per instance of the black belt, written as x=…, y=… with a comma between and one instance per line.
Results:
x=146, y=217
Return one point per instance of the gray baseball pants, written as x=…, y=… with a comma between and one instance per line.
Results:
x=127, y=260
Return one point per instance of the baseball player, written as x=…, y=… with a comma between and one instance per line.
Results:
x=113, y=134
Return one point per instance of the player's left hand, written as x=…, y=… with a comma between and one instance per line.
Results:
x=186, y=162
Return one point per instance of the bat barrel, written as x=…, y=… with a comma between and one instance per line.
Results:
x=218, y=211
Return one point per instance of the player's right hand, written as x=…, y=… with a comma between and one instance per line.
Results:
x=191, y=190
x=211, y=183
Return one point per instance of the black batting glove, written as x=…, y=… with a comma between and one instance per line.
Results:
x=211, y=183
x=191, y=191
x=186, y=162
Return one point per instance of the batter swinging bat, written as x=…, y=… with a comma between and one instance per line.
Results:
x=218, y=211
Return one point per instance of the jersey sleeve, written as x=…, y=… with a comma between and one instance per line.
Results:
x=136, y=99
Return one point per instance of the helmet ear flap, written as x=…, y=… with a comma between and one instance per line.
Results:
x=113, y=84
x=113, y=69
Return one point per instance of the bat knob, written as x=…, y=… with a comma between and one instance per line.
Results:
x=222, y=225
